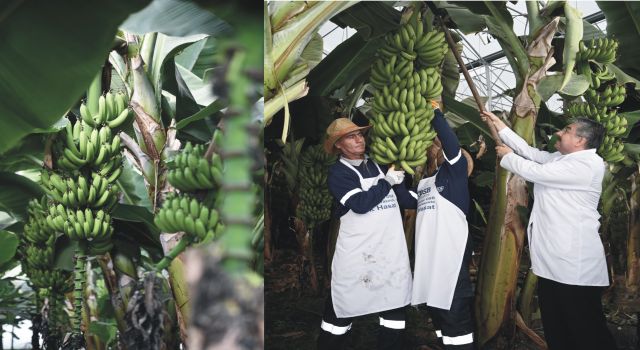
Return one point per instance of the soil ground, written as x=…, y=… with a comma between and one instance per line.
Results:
x=293, y=315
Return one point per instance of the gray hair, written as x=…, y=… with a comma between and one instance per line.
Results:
x=591, y=130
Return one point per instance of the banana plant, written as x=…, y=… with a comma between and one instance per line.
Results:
x=176, y=96
x=292, y=47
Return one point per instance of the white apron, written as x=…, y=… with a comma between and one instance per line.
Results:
x=370, y=271
x=441, y=238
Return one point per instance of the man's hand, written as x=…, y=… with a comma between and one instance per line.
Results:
x=394, y=177
x=501, y=151
x=499, y=124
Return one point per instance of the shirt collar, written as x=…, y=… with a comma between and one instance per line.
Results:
x=356, y=162
x=579, y=153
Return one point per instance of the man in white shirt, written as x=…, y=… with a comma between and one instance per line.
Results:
x=566, y=251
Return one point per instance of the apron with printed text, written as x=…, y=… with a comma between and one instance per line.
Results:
x=440, y=242
x=370, y=271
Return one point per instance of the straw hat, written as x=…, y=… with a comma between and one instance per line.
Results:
x=337, y=129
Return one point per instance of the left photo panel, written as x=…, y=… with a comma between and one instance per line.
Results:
x=131, y=175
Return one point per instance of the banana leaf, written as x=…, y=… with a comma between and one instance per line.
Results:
x=340, y=68
x=8, y=245
x=290, y=40
x=50, y=53
x=15, y=192
x=572, y=37
x=468, y=16
x=175, y=18
x=371, y=19
x=623, y=23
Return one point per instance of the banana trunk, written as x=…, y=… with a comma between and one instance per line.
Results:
x=306, y=262
x=110, y=281
x=525, y=302
x=504, y=240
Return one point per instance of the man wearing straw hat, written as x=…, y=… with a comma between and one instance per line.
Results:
x=442, y=246
x=370, y=271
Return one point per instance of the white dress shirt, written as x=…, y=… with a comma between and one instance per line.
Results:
x=563, y=228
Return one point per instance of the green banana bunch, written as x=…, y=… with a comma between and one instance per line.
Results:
x=79, y=192
x=190, y=171
x=90, y=159
x=57, y=280
x=85, y=146
x=597, y=74
x=315, y=156
x=412, y=43
x=406, y=76
x=36, y=230
x=315, y=202
x=99, y=246
x=40, y=256
x=611, y=96
x=181, y=213
x=601, y=99
x=113, y=111
x=88, y=225
x=602, y=50
x=37, y=249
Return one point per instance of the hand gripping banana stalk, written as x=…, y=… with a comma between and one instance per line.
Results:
x=603, y=95
x=406, y=76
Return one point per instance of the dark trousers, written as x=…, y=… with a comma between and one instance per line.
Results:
x=334, y=330
x=572, y=317
x=454, y=327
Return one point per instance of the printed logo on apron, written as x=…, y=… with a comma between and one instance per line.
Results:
x=440, y=242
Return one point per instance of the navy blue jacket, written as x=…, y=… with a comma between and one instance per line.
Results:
x=451, y=181
x=344, y=183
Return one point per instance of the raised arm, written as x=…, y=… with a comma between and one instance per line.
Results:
x=448, y=138
x=517, y=143
x=565, y=174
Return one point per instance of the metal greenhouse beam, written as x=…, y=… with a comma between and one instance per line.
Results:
x=592, y=18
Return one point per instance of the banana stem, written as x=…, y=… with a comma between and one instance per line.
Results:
x=238, y=206
x=179, y=248
x=79, y=280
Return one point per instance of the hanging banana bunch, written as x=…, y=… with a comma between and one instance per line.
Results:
x=602, y=96
x=182, y=213
x=406, y=76
x=315, y=200
x=191, y=171
x=601, y=50
x=37, y=249
x=88, y=161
